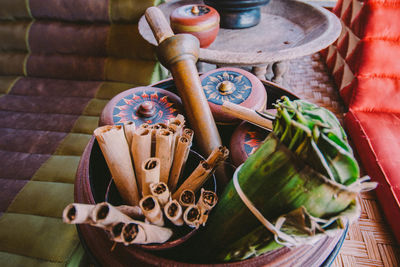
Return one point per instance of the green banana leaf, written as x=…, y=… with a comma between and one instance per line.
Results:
x=276, y=182
x=303, y=178
x=297, y=223
x=316, y=136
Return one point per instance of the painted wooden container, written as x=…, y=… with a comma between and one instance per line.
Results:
x=141, y=105
x=244, y=142
x=199, y=20
x=234, y=85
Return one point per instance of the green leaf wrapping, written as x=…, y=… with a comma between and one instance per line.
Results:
x=304, y=172
x=297, y=223
x=276, y=182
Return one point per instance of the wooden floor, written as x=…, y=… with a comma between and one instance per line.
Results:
x=369, y=242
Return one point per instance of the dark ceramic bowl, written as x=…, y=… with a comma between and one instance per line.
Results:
x=112, y=196
x=238, y=14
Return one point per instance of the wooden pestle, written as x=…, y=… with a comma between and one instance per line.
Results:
x=246, y=114
x=179, y=53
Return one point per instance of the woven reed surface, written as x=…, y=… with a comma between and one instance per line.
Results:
x=369, y=241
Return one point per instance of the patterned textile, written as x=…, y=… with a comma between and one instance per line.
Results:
x=365, y=65
x=127, y=11
x=60, y=63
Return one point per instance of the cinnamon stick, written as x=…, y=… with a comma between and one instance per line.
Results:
x=141, y=151
x=161, y=192
x=76, y=213
x=115, y=149
x=198, y=177
x=152, y=210
x=163, y=152
x=187, y=198
x=180, y=157
x=150, y=174
x=129, y=130
x=192, y=216
x=173, y=212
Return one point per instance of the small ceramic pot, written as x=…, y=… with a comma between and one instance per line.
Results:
x=234, y=85
x=238, y=14
x=141, y=105
x=199, y=20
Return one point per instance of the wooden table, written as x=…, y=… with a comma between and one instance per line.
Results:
x=288, y=29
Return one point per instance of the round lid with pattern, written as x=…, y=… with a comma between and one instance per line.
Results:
x=141, y=105
x=244, y=141
x=234, y=85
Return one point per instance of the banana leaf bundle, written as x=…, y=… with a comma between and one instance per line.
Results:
x=303, y=181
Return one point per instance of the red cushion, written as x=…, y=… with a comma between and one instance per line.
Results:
x=376, y=137
x=375, y=58
x=377, y=20
x=375, y=94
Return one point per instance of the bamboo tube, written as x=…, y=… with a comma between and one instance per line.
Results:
x=115, y=149
x=163, y=152
x=76, y=213
x=150, y=174
x=180, y=157
x=137, y=232
x=104, y=214
x=161, y=192
x=198, y=177
x=187, y=198
x=141, y=151
x=246, y=114
x=173, y=211
x=192, y=216
x=152, y=210
x=129, y=130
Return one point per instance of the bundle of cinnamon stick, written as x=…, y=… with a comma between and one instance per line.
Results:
x=125, y=224
x=138, y=156
x=146, y=163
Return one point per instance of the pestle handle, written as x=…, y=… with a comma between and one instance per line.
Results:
x=158, y=24
x=246, y=114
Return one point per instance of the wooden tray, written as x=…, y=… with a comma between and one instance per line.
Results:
x=288, y=29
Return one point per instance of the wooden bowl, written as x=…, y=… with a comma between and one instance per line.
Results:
x=91, y=189
x=199, y=20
